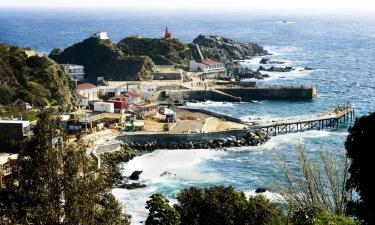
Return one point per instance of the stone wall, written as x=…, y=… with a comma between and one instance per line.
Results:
x=272, y=93
x=177, y=138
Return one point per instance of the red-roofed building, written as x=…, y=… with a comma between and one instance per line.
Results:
x=88, y=92
x=85, y=86
x=207, y=65
x=123, y=101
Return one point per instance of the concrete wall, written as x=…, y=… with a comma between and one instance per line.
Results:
x=272, y=93
x=217, y=115
x=177, y=138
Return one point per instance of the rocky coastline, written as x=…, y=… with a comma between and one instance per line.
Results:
x=113, y=160
x=252, y=139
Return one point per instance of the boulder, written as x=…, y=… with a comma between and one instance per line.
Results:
x=135, y=175
x=260, y=190
x=132, y=186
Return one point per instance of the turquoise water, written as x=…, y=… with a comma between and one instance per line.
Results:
x=342, y=49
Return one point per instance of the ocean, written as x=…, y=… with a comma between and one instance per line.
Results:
x=340, y=48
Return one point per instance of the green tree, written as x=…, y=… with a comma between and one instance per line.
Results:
x=224, y=205
x=359, y=147
x=160, y=212
x=56, y=183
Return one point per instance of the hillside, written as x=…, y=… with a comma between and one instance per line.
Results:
x=161, y=51
x=101, y=58
x=224, y=49
x=37, y=80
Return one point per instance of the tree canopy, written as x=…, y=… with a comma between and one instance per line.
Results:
x=57, y=183
x=359, y=146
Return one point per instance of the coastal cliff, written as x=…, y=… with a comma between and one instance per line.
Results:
x=102, y=58
x=226, y=50
x=134, y=58
x=37, y=80
x=161, y=51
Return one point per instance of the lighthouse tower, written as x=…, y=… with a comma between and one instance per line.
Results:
x=167, y=35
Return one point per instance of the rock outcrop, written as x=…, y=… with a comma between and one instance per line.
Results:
x=161, y=51
x=276, y=69
x=269, y=61
x=102, y=58
x=226, y=50
x=135, y=175
x=35, y=79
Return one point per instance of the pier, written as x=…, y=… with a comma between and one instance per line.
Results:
x=327, y=120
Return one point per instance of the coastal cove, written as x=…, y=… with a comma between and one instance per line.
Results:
x=341, y=58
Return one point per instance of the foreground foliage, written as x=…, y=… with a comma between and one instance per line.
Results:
x=359, y=146
x=315, y=216
x=56, y=183
x=160, y=212
x=224, y=205
x=315, y=184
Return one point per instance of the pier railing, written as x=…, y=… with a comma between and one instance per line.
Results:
x=333, y=118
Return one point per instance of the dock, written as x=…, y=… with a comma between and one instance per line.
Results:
x=333, y=118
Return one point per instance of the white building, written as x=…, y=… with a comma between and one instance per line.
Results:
x=88, y=92
x=77, y=71
x=104, y=107
x=207, y=65
x=99, y=35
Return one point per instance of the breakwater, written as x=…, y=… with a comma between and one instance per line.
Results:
x=272, y=93
x=212, y=140
x=242, y=94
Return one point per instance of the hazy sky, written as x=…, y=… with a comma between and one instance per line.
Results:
x=244, y=5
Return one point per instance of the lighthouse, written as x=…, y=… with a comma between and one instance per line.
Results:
x=167, y=35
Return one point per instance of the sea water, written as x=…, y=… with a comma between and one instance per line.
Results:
x=340, y=49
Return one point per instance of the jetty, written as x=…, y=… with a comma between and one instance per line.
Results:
x=330, y=119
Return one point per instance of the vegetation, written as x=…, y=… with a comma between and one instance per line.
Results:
x=36, y=80
x=161, y=51
x=160, y=212
x=56, y=183
x=359, y=146
x=224, y=205
x=316, y=186
x=111, y=161
x=316, y=216
x=101, y=58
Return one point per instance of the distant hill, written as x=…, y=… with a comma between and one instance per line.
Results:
x=102, y=58
x=134, y=58
x=37, y=80
x=161, y=51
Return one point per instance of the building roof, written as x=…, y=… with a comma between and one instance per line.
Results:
x=85, y=86
x=5, y=157
x=132, y=94
x=24, y=123
x=210, y=62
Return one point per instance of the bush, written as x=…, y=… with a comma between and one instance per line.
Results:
x=315, y=216
x=224, y=205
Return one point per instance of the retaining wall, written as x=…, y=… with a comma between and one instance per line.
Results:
x=176, y=138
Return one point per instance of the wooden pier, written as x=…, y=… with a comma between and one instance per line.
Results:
x=333, y=118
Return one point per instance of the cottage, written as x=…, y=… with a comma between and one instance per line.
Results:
x=88, y=92
x=207, y=65
x=99, y=35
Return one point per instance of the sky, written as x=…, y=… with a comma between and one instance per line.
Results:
x=209, y=5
